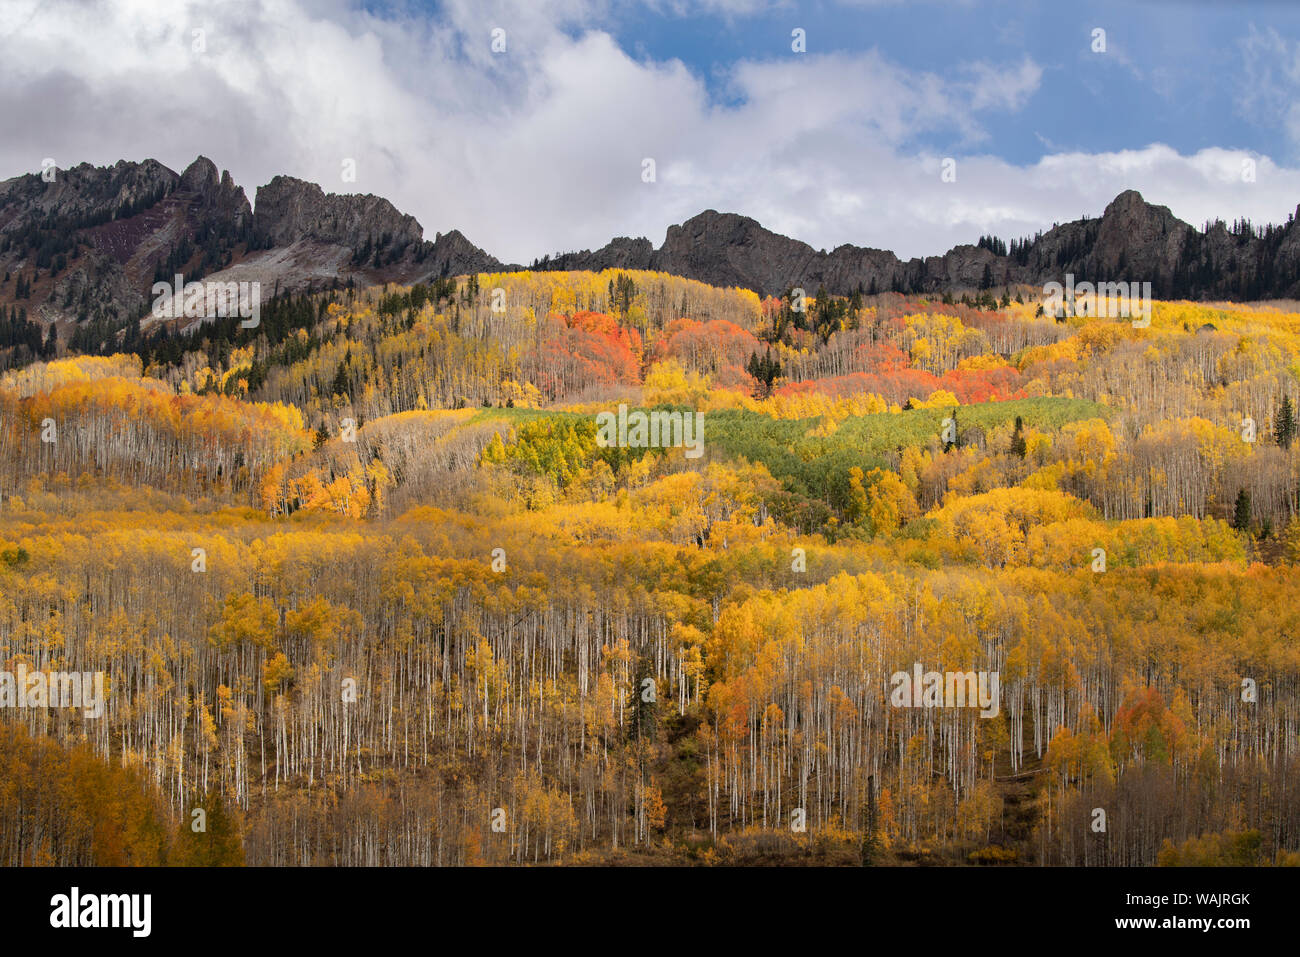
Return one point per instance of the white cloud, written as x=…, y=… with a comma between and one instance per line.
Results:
x=540, y=149
x=1000, y=87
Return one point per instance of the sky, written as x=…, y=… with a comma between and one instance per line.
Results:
x=528, y=124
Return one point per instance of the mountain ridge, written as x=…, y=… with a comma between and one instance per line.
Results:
x=87, y=247
x=1132, y=241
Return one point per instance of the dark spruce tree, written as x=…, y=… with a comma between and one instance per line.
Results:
x=1285, y=428
x=1018, y=446
x=1241, y=512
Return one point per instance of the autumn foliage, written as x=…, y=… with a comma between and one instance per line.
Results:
x=364, y=588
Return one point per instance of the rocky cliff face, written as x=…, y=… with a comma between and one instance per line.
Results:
x=1137, y=236
x=736, y=251
x=215, y=194
x=291, y=209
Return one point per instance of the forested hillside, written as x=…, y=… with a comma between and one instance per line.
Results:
x=368, y=585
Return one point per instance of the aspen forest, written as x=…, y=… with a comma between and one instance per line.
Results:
x=368, y=587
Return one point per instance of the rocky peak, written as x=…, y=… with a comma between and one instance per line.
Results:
x=201, y=176
x=1142, y=241
x=217, y=193
x=451, y=254
x=734, y=250
x=622, y=252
